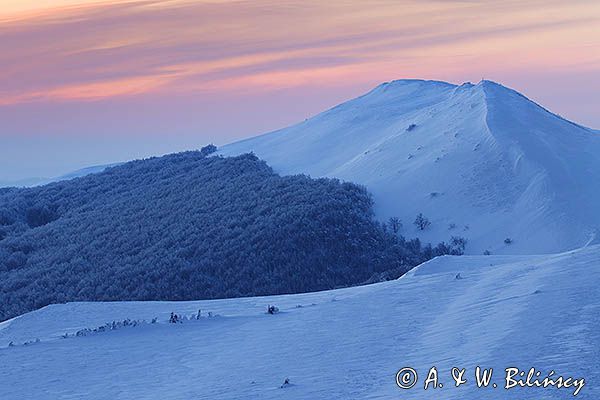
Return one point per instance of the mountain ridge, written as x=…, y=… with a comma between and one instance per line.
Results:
x=483, y=151
x=535, y=162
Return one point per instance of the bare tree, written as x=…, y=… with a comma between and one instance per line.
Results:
x=459, y=243
x=395, y=224
x=421, y=222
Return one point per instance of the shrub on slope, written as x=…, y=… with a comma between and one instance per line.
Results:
x=186, y=226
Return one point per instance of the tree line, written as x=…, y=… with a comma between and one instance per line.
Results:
x=191, y=226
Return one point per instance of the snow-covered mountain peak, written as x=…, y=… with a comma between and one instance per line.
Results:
x=414, y=83
x=481, y=161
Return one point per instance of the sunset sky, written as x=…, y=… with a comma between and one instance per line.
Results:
x=90, y=82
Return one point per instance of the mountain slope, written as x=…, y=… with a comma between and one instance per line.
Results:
x=480, y=161
x=504, y=311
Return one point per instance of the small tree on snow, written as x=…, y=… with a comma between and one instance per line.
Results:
x=208, y=149
x=395, y=224
x=421, y=222
x=459, y=243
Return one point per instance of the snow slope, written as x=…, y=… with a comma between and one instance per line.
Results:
x=479, y=157
x=504, y=311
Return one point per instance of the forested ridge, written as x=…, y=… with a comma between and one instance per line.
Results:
x=188, y=226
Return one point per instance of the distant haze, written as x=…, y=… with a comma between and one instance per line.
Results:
x=92, y=82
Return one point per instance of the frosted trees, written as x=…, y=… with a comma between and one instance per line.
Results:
x=395, y=224
x=421, y=222
x=458, y=243
x=208, y=149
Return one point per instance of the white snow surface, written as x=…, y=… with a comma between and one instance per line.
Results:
x=481, y=157
x=503, y=311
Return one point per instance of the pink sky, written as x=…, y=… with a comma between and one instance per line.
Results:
x=100, y=81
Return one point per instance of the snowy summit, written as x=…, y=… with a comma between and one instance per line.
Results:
x=479, y=161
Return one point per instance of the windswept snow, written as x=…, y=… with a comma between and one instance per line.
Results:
x=480, y=161
x=502, y=311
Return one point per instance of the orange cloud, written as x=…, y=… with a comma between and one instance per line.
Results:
x=70, y=50
x=91, y=91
